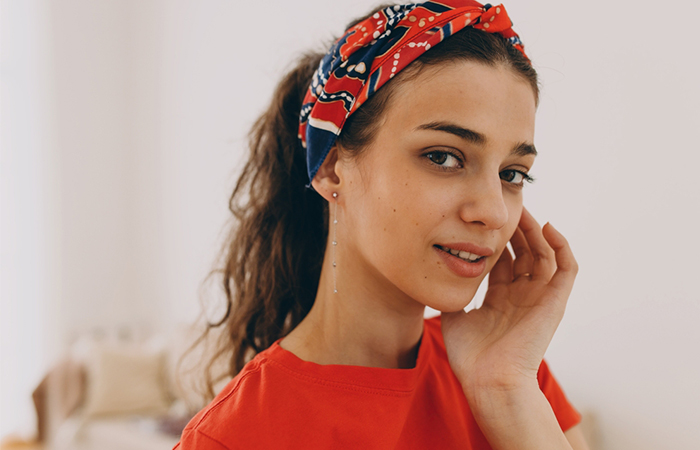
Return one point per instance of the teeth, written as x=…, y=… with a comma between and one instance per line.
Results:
x=468, y=256
x=463, y=255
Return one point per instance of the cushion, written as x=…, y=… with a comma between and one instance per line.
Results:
x=187, y=365
x=125, y=379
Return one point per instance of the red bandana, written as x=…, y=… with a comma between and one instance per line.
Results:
x=370, y=53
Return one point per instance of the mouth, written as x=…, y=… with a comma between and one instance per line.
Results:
x=461, y=254
x=464, y=260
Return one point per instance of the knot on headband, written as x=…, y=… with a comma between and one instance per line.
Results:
x=372, y=52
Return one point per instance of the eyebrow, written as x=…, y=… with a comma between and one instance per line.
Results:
x=474, y=137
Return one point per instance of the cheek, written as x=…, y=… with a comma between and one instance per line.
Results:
x=393, y=219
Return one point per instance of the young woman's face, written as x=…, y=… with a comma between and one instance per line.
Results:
x=445, y=172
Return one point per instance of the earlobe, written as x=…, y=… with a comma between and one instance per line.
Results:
x=326, y=180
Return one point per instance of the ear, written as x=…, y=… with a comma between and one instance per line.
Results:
x=326, y=181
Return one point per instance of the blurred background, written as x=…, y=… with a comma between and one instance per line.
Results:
x=122, y=128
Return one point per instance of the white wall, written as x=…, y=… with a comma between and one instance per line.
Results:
x=27, y=241
x=618, y=137
x=152, y=99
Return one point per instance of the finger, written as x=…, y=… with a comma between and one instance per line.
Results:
x=523, y=257
x=567, y=267
x=544, y=263
x=502, y=272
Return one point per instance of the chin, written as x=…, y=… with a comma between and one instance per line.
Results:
x=450, y=310
x=450, y=301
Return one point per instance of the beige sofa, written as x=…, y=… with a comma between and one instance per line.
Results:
x=118, y=390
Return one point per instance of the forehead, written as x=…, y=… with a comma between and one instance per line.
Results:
x=491, y=100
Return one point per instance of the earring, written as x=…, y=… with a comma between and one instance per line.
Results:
x=335, y=242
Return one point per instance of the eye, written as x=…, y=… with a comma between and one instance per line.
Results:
x=445, y=160
x=516, y=177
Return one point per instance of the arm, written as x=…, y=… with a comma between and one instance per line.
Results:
x=575, y=437
x=517, y=419
x=556, y=404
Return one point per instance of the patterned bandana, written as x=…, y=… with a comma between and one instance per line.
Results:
x=370, y=53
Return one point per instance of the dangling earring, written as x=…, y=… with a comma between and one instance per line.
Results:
x=335, y=242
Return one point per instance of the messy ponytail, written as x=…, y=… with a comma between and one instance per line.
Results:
x=275, y=249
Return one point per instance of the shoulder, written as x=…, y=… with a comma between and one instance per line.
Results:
x=225, y=412
x=567, y=415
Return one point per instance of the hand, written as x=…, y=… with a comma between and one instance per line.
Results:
x=501, y=344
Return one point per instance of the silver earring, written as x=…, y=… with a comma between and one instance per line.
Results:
x=335, y=241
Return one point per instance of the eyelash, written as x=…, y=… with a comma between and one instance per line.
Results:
x=526, y=178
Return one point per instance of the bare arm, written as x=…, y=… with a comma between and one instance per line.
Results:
x=518, y=419
x=575, y=437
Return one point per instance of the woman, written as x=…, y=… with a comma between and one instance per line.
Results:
x=386, y=177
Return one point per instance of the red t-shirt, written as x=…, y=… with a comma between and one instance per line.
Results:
x=281, y=401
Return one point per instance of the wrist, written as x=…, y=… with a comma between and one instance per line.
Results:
x=516, y=418
x=503, y=387
x=488, y=399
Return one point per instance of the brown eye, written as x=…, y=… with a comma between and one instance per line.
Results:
x=515, y=177
x=438, y=157
x=444, y=160
x=508, y=175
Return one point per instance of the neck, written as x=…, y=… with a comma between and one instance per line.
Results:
x=368, y=322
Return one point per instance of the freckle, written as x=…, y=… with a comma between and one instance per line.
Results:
x=443, y=215
x=416, y=223
x=426, y=278
x=384, y=229
x=394, y=209
x=406, y=184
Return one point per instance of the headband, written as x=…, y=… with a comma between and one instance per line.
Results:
x=374, y=50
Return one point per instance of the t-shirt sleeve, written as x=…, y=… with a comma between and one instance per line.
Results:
x=193, y=439
x=566, y=414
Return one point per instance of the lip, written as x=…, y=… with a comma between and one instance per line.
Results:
x=460, y=267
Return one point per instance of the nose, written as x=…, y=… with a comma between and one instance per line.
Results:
x=484, y=203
